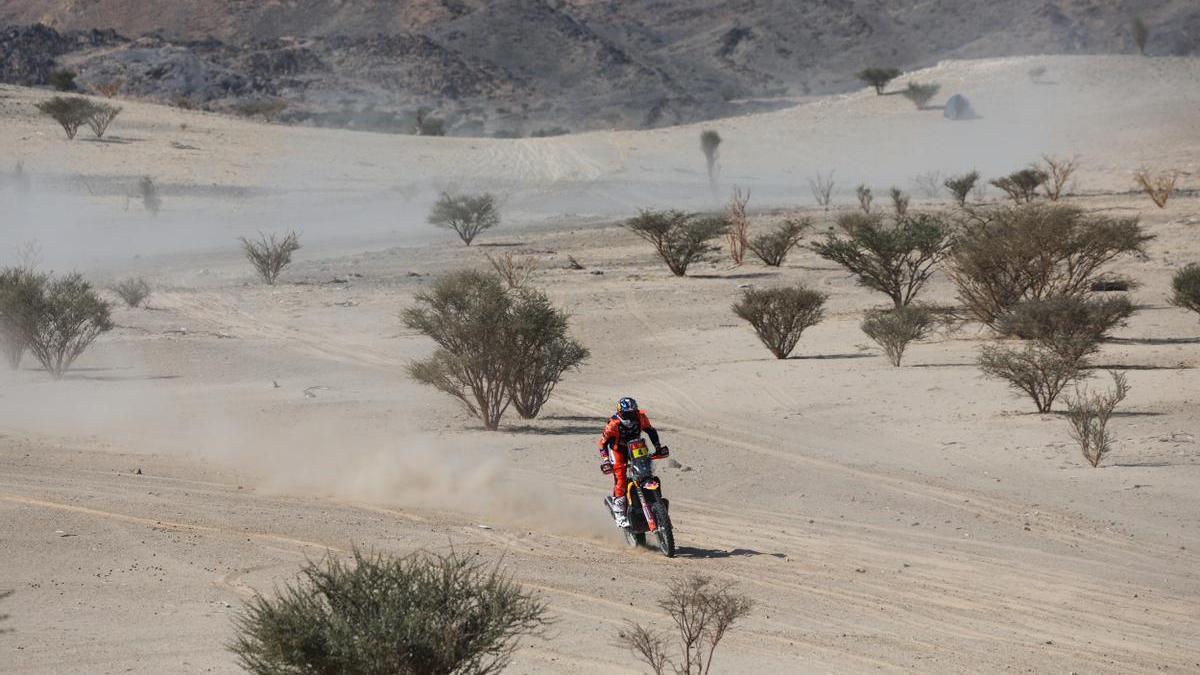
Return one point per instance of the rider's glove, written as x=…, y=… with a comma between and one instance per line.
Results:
x=606, y=467
x=662, y=451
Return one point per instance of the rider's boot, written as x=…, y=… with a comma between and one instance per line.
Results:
x=618, y=506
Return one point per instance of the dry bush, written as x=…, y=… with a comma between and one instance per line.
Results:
x=1089, y=413
x=1036, y=251
x=467, y=215
x=20, y=291
x=679, y=238
x=110, y=88
x=710, y=141
x=383, y=615
x=425, y=124
x=894, y=258
x=71, y=112
x=1021, y=186
x=268, y=108
x=102, y=115
x=148, y=192
x=878, y=77
x=895, y=328
x=1158, y=186
x=1186, y=288
x=1140, y=34
x=496, y=347
x=544, y=350
x=773, y=247
x=899, y=201
x=63, y=79
x=780, y=315
x=1058, y=172
x=928, y=184
x=702, y=612
x=1072, y=326
x=515, y=270
x=921, y=94
x=822, y=189
x=1038, y=372
x=961, y=186
x=863, y=193
x=133, y=291
x=59, y=319
x=739, y=225
x=270, y=254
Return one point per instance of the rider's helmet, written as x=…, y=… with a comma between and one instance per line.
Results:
x=627, y=410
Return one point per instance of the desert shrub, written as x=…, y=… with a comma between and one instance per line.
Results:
x=466, y=214
x=921, y=94
x=1057, y=171
x=383, y=615
x=544, y=349
x=702, y=611
x=878, y=77
x=1186, y=288
x=773, y=247
x=1072, y=326
x=1036, y=251
x=133, y=291
x=961, y=186
x=148, y=192
x=109, y=88
x=679, y=238
x=895, y=328
x=1089, y=413
x=1158, y=186
x=780, y=315
x=1111, y=283
x=863, y=193
x=899, y=201
x=20, y=291
x=710, y=141
x=739, y=225
x=71, y=112
x=62, y=79
x=1038, y=372
x=496, y=347
x=426, y=124
x=1021, y=186
x=514, y=270
x=896, y=259
x=466, y=314
x=1140, y=34
x=928, y=184
x=60, y=320
x=100, y=116
x=822, y=189
x=270, y=254
x=268, y=108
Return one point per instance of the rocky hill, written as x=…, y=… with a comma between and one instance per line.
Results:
x=517, y=67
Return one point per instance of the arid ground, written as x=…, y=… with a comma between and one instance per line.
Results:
x=883, y=519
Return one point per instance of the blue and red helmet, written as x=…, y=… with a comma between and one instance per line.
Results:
x=627, y=409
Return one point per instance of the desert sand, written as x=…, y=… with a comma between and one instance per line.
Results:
x=883, y=519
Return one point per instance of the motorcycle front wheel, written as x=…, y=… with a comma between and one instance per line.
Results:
x=666, y=538
x=635, y=539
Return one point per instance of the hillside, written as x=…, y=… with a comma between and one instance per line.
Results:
x=514, y=67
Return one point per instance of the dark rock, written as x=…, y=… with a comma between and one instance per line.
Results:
x=958, y=108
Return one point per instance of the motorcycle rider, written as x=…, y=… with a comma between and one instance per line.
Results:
x=625, y=426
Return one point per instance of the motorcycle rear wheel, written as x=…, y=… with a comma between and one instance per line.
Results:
x=666, y=538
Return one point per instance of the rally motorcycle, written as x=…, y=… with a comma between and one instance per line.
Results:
x=648, y=510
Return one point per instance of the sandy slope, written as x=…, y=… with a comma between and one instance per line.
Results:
x=883, y=519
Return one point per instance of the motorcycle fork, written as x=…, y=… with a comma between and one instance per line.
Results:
x=650, y=524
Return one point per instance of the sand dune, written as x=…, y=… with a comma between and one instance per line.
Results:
x=882, y=519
